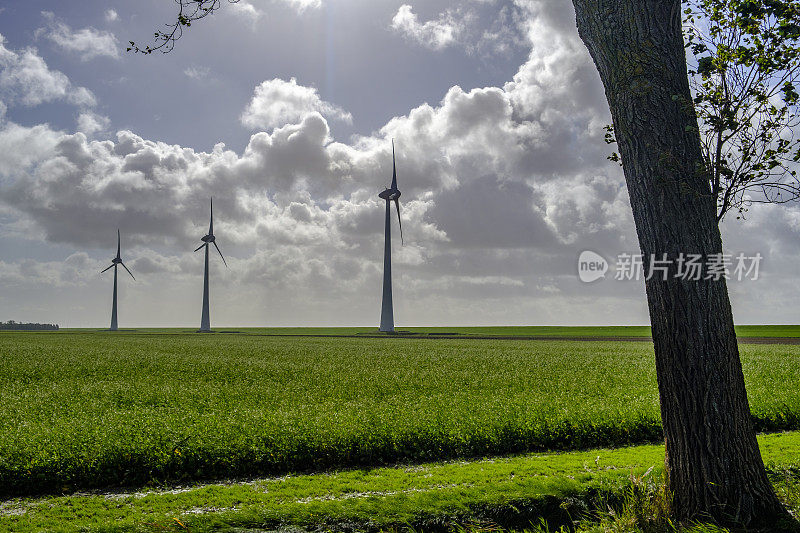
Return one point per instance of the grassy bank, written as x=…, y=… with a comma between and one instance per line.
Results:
x=513, y=492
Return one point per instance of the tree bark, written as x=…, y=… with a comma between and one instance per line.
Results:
x=714, y=466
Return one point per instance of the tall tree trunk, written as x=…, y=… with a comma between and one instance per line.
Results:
x=714, y=466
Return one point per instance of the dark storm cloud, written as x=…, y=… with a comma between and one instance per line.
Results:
x=489, y=214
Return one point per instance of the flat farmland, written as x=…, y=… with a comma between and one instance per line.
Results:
x=743, y=331
x=81, y=409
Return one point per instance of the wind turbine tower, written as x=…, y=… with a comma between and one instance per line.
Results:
x=205, y=320
x=392, y=194
x=114, y=264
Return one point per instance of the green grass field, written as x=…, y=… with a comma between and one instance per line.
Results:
x=95, y=409
x=766, y=331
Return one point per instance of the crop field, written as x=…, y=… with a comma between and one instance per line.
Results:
x=98, y=409
x=745, y=331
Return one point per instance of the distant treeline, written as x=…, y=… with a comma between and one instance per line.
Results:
x=28, y=326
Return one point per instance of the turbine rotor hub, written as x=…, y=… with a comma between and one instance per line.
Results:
x=390, y=194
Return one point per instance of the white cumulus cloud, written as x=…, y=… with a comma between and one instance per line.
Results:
x=435, y=34
x=301, y=5
x=277, y=102
x=87, y=43
x=26, y=79
x=246, y=10
x=90, y=123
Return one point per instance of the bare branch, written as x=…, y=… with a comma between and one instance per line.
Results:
x=188, y=12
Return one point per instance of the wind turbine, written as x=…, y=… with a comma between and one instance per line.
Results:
x=392, y=194
x=205, y=320
x=114, y=263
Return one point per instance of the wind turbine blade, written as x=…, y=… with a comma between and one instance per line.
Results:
x=220, y=254
x=112, y=266
x=118, y=241
x=129, y=272
x=211, y=223
x=397, y=205
x=200, y=246
x=394, y=169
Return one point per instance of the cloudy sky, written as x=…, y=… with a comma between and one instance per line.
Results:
x=284, y=111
